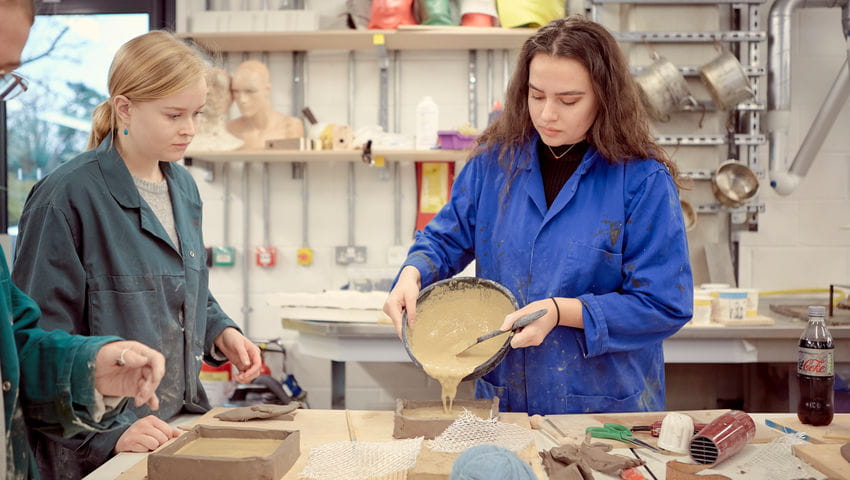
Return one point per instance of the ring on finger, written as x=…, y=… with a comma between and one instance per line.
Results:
x=121, y=362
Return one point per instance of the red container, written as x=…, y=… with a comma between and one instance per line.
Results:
x=722, y=438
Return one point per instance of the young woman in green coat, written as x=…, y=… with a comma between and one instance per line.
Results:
x=111, y=243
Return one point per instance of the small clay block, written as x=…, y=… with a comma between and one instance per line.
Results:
x=406, y=425
x=260, y=412
x=166, y=464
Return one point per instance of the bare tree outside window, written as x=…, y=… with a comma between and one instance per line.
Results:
x=66, y=61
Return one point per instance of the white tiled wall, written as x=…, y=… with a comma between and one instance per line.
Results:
x=803, y=239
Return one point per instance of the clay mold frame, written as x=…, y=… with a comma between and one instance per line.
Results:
x=406, y=426
x=166, y=463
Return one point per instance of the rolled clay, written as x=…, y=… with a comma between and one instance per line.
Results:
x=845, y=451
x=594, y=456
x=557, y=470
x=255, y=412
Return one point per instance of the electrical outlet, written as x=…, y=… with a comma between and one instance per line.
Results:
x=224, y=256
x=350, y=254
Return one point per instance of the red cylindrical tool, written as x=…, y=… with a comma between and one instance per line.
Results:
x=722, y=438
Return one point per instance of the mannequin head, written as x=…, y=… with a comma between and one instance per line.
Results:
x=219, y=96
x=251, y=88
x=16, y=17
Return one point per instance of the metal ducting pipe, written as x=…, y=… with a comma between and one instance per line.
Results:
x=784, y=179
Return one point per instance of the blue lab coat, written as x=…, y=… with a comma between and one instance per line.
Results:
x=614, y=238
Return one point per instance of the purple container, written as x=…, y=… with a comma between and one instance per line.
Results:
x=453, y=140
x=722, y=438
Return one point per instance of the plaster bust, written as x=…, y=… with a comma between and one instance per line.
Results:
x=210, y=128
x=259, y=121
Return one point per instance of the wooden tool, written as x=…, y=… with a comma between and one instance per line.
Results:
x=350, y=426
x=537, y=422
x=541, y=419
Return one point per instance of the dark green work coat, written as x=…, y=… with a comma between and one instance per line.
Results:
x=94, y=255
x=48, y=378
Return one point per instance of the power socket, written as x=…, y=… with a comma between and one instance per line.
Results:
x=345, y=255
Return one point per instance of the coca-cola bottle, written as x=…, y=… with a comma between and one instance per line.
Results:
x=815, y=371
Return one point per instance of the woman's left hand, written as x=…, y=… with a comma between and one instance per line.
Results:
x=532, y=334
x=241, y=352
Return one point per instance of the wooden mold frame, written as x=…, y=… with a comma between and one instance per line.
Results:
x=165, y=464
x=412, y=427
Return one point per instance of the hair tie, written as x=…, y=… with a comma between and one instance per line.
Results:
x=557, y=309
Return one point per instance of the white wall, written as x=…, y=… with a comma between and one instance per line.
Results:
x=804, y=239
x=800, y=243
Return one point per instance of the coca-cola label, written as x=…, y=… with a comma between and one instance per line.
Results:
x=815, y=362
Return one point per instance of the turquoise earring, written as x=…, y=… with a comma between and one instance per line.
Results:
x=126, y=132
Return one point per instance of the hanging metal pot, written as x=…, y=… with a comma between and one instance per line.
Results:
x=734, y=183
x=689, y=215
x=726, y=81
x=663, y=89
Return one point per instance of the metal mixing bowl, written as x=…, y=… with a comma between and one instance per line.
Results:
x=458, y=285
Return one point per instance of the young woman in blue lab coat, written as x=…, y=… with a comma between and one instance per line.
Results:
x=111, y=243
x=569, y=203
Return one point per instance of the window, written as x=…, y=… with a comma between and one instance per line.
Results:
x=66, y=61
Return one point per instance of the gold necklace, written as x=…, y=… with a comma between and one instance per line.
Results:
x=558, y=157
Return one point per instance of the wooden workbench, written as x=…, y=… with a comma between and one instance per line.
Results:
x=319, y=427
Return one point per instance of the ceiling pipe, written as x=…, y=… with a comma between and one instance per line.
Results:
x=784, y=178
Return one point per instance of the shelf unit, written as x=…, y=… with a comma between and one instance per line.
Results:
x=388, y=44
x=277, y=156
x=405, y=38
x=746, y=38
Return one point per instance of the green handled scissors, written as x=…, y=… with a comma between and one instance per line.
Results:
x=615, y=431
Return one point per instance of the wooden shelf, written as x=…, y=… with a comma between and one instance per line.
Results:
x=272, y=156
x=410, y=38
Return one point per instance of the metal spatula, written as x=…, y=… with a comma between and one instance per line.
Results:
x=521, y=322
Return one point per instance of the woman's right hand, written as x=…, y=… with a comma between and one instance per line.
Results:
x=403, y=297
x=145, y=435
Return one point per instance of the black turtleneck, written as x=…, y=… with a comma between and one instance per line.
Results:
x=556, y=172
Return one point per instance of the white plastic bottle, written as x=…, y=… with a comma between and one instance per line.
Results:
x=427, y=117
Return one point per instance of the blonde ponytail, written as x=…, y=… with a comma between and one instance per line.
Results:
x=102, y=123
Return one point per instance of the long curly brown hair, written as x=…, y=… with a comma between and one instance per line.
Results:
x=621, y=129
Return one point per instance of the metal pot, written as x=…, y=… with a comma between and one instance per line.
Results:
x=689, y=215
x=663, y=89
x=726, y=81
x=734, y=183
x=458, y=285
